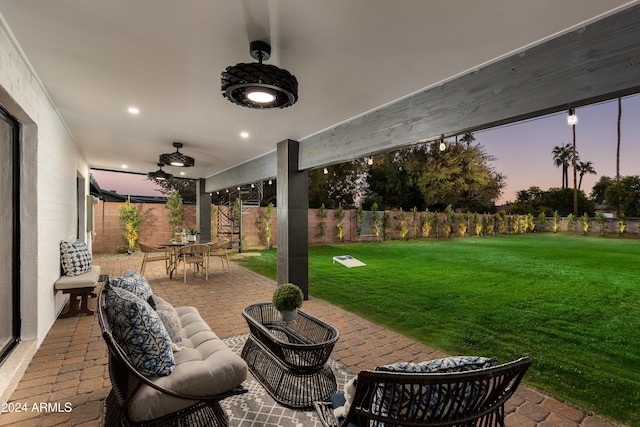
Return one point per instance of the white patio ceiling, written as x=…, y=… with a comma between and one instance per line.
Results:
x=96, y=58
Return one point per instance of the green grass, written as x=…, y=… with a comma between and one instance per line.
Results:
x=571, y=303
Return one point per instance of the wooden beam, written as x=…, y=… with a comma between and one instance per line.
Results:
x=597, y=62
x=258, y=169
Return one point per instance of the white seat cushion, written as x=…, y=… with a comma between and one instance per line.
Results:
x=85, y=280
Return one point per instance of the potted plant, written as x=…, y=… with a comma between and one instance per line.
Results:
x=287, y=298
x=192, y=234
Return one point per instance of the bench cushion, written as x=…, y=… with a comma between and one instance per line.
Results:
x=205, y=367
x=75, y=257
x=86, y=280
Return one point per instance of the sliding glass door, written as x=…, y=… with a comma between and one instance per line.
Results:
x=9, y=234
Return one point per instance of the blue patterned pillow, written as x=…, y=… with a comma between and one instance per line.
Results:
x=393, y=400
x=135, y=283
x=75, y=257
x=137, y=328
x=446, y=364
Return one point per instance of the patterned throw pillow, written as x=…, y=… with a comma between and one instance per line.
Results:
x=169, y=317
x=446, y=364
x=75, y=257
x=394, y=401
x=137, y=328
x=133, y=282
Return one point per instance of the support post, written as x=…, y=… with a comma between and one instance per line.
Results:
x=293, y=205
x=203, y=211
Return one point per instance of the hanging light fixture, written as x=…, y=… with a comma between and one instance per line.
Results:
x=177, y=158
x=159, y=175
x=572, y=119
x=256, y=85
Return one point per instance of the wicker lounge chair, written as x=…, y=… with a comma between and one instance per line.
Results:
x=472, y=398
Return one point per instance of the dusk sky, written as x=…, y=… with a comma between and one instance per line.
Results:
x=522, y=150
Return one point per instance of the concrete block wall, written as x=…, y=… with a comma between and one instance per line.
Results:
x=109, y=235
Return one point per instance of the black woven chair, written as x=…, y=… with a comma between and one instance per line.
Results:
x=126, y=380
x=472, y=398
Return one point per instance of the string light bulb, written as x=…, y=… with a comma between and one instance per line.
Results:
x=443, y=146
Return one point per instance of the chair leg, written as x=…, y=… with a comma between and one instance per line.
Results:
x=144, y=264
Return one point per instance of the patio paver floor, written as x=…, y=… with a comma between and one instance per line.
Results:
x=67, y=380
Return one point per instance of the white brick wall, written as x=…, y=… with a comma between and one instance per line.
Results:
x=51, y=164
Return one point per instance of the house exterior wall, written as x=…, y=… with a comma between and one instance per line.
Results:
x=50, y=166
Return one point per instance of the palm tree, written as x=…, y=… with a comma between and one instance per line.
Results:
x=583, y=169
x=562, y=157
x=618, y=151
x=468, y=138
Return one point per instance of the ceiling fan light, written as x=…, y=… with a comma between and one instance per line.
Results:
x=258, y=85
x=261, y=96
x=159, y=175
x=177, y=158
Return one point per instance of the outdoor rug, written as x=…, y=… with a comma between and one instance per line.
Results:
x=257, y=408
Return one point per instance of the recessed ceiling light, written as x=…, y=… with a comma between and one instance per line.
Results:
x=181, y=173
x=133, y=110
x=244, y=135
x=124, y=166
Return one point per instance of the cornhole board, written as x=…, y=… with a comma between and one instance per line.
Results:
x=348, y=261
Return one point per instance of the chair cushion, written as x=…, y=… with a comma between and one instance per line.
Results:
x=169, y=317
x=133, y=282
x=205, y=367
x=137, y=328
x=75, y=257
x=394, y=401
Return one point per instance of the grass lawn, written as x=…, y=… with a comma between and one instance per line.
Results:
x=571, y=303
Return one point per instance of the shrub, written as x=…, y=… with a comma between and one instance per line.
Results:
x=287, y=297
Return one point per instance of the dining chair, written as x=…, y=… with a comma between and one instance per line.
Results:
x=196, y=254
x=154, y=253
x=219, y=249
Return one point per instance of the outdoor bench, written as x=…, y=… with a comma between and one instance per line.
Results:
x=78, y=287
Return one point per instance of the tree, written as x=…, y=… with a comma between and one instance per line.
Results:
x=176, y=210
x=468, y=138
x=624, y=196
x=341, y=185
x=535, y=201
x=427, y=178
x=130, y=219
x=186, y=187
x=562, y=157
x=583, y=169
x=600, y=187
x=618, y=148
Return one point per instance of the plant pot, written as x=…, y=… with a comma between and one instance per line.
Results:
x=288, y=315
x=191, y=238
